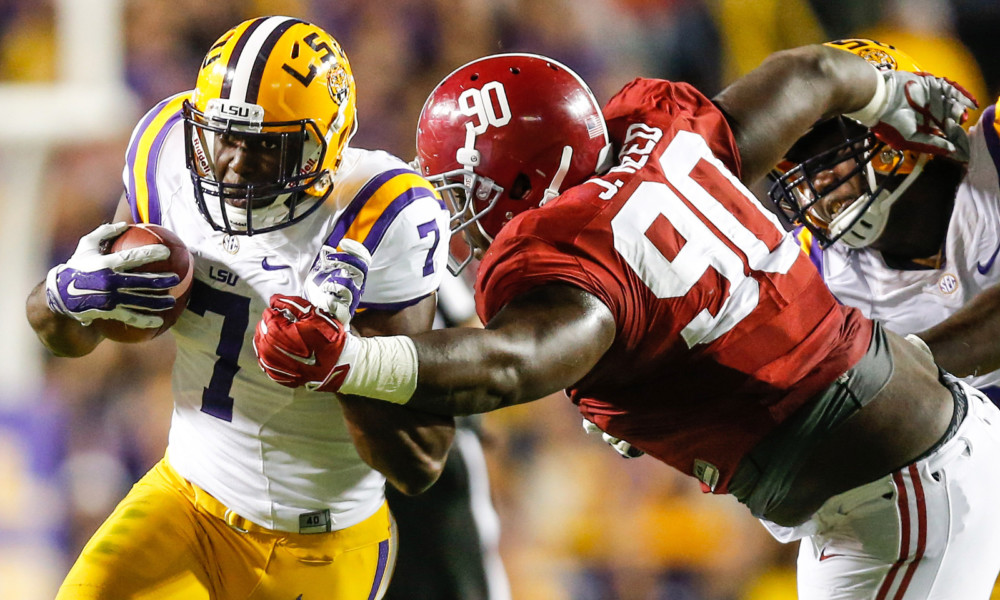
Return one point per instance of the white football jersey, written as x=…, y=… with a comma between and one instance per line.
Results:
x=280, y=457
x=909, y=301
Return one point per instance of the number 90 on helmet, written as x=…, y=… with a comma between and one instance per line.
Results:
x=504, y=134
x=281, y=90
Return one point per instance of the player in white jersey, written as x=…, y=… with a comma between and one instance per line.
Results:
x=912, y=241
x=265, y=492
x=923, y=248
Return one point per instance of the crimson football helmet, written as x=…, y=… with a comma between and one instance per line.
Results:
x=504, y=134
x=804, y=182
x=283, y=90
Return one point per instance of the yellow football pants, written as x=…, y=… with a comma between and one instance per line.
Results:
x=170, y=539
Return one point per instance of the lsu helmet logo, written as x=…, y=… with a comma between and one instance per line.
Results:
x=882, y=56
x=882, y=60
x=339, y=84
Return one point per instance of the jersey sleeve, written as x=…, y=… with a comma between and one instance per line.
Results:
x=143, y=159
x=990, y=127
x=522, y=258
x=673, y=105
x=403, y=222
x=410, y=261
x=810, y=247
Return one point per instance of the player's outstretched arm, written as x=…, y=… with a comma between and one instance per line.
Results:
x=776, y=103
x=966, y=343
x=770, y=107
x=543, y=341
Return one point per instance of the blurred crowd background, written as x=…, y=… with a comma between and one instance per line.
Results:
x=578, y=522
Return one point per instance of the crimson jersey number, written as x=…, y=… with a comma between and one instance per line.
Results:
x=703, y=247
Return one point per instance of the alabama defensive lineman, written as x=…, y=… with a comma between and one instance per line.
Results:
x=910, y=240
x=264, y=491
x=681, y=317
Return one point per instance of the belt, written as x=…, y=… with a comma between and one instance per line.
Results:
x=374, y=528
x=207, y=503
x=961, y=401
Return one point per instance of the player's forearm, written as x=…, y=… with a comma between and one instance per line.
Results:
x=409, y=447
x=968, y=342
x=774, y=105
x=543, y=341
x=447, y=372
x=62, y=335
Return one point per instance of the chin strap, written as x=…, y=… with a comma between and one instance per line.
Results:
x=468, y=156
x=605, y=159
x=604, y=162
x=553, y=190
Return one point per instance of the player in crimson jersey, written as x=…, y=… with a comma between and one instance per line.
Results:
x=683, y=320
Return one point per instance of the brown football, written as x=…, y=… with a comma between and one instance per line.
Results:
x=179, y=262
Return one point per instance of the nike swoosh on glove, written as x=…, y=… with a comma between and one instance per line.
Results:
x=337, y=279
x=924, y=113
x=300, y=345
x=91, y=285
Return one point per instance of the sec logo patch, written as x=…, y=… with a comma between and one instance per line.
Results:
x=230, y=243
x=948, y=283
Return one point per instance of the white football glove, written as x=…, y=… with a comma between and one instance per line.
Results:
x=919, y=112
x=621, y=446
x=337, y=279
x=91, y=285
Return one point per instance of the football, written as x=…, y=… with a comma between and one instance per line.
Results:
x=179, y=262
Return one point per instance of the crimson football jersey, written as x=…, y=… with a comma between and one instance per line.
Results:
x=724, y=328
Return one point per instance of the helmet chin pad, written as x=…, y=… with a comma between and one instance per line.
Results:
x=869, y=225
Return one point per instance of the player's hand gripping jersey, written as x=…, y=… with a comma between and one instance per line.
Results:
x=272, y=454
x=911, y=298
x=695, y=378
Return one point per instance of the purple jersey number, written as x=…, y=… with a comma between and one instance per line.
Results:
x=235, y=311
x=425, y=229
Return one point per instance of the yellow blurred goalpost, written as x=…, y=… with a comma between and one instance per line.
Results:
x=89, y=101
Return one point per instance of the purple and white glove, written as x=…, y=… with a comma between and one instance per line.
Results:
x=337, y=279
x=919, y=112
x=91, y=285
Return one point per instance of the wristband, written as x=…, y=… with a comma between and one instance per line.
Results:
x=52, y=292
x=54, y=300
x=870, y=113
x=384, y=368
